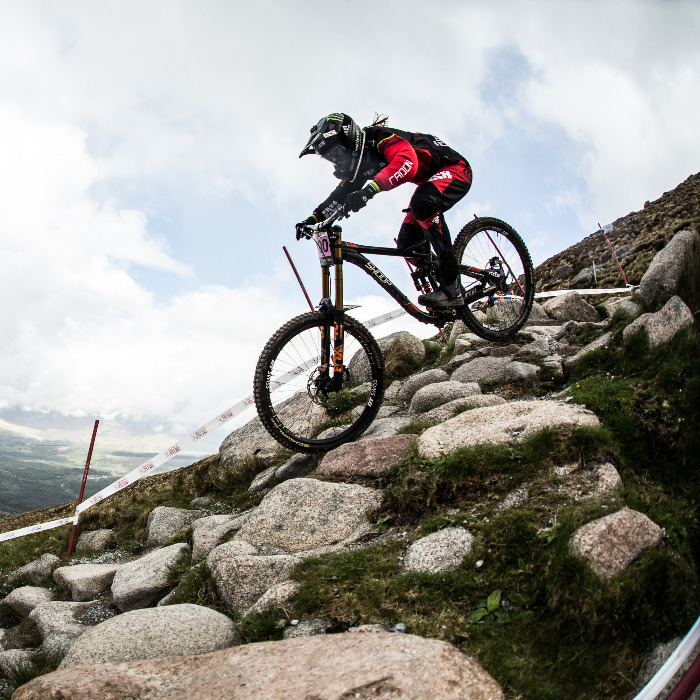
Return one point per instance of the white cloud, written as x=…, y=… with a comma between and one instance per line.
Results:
x=119, y=119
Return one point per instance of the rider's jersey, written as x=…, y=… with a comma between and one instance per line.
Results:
x=391, y=157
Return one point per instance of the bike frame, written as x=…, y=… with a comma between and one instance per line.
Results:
x=335, y=310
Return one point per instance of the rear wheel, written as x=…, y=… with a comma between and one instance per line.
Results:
x=288, y=385
x=500, y=306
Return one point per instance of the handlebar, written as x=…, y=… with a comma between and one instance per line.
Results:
x=308, y=231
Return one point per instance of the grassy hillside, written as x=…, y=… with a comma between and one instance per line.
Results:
x=536, y=617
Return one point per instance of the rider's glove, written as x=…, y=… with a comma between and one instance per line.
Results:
x=356, y=200
x=303, y=224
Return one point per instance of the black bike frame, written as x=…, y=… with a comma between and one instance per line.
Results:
x=335, y=312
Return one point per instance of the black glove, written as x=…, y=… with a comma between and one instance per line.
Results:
x=356, y=200
x=303, y=224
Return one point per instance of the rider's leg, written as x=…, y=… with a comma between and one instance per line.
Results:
x=411, y=237
x=430, y=199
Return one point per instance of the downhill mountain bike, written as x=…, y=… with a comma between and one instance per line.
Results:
x=320, y=379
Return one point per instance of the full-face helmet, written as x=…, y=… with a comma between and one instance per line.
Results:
x=338, y=139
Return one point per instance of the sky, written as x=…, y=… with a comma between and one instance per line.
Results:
x=149, y=170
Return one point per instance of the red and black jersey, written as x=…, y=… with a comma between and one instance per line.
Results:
x=391, y=157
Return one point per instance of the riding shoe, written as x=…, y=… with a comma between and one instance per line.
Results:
x=447, y=296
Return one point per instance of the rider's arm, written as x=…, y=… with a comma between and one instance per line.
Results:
x=335, y=200
x=402, y=162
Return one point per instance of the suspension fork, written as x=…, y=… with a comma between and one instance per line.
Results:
x=335, y=314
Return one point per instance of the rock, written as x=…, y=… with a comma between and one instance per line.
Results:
x=94, y=541
x=242, y=578
x=660, y=282
x=449, y=410
x=208, y=533
x=440, y=551
x=55, y=647
x=468, y=341
x=164, y=521
x=263, y=480
x=385, y=427
x=483, y=370
x=537, y=316
x=278, y=596
x=418, y=381
x=658, y=658
x=297, y=465
x=15, y=661
x=521, y=372
x=543, y=346
x=562, y=272
x=392, y=391
x=248, y=440
x=583, y=280
x=579, y=484
x=555, y=364
x=612, y=543
x=501, y=425
x=60, y=618
x=459, y=360
x=503, y=350
x=173, y=630
x=515, y=498
x=307, y=628
x=661, y=326
x=85, y=581
x=36, y=571
x=24, y=599
x=570, y=307
x=435, y=395
x=365, y=457
x=402, y=352
x=201, y=502
x=140, y=583
x=597, y=344
x=302, y=514
x=625, y=306
x=458, y=328
x=620, y=252
x=359, y=664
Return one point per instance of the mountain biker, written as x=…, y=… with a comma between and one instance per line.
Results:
x=378, y=158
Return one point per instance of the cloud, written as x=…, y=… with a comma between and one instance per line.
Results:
x=149, y=165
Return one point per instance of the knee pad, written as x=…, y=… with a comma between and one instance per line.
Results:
x=425, y=207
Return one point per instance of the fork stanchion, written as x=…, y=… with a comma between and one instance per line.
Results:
x=82, y=487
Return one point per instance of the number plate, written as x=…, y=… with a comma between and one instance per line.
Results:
x=325, y=250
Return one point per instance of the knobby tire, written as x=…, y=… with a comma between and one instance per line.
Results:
x=285, y=397
x=478, y=242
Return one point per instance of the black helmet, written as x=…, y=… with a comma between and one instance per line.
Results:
x=339, y=139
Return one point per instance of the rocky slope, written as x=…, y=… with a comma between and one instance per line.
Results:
x=515, y=523
x=636, y=238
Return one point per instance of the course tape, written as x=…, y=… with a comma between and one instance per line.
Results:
x=232, y=412
x=664, y=675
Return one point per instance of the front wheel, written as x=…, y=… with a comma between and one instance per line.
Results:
x=288, y=379
x=498, y=308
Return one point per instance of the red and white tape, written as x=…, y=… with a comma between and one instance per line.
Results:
x=232, y=412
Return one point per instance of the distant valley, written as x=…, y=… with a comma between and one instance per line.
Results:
x=38, y=471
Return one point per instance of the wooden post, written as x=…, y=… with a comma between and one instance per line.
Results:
x=82, y=486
